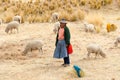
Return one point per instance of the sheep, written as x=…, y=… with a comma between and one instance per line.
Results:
x=56, y=27
x=89, y=27
x=17, y=18
x=55, y=17
x=12, y=25
x=117, y=41
x=33, y=45
x=94, y=48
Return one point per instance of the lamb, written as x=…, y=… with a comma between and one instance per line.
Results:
x=56, y=27
x=55, y=17
x=33, y=45
x=117, y=41
x=12, y=25
x=94, y=48
x=17, y=18
x=89, y=27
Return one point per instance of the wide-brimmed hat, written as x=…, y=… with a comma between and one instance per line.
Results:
x=63, y=21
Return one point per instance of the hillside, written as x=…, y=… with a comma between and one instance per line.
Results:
x=38, y=66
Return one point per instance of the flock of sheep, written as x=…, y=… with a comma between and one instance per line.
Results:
x=93, y=48
x=37, y=44
x=32, y=45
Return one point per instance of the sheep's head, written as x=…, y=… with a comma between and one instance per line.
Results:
x=116, y=43
x=85, y=23
x=103, y=54
x=19, y=21
x=54, y=30
x=24, y=52
x=6, y=30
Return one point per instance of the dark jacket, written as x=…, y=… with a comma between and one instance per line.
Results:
x=66, y=36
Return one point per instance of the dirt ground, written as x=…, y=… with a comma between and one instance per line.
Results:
x=38, y=66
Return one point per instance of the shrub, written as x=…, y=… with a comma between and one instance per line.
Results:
x=80, y=14
x=73, y=17
x=118, y=1
x=82, y=2
x=94, y=18
x=64, y=15
x=69, y=9
x=8, y=19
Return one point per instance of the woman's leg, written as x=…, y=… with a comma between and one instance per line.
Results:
x=67, y=60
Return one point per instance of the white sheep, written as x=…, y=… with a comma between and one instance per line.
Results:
x=94, y=48
x=89, y=27
x=55, y=17
x=11, y=26
x=33, y=45
x=117, y=41
x=56, y=27
x=17, y=18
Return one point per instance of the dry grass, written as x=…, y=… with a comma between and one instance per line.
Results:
x=14, y=66
x=118, y=1
x=94, y=18
x=8, y=17
x=82, y=2
x=97, y=4
x=80, y=14
x=118, y=18
x=64, y=15
x=66, y=8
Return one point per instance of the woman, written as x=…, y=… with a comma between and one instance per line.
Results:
x=62, y=41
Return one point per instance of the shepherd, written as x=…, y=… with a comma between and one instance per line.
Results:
x=62, y=42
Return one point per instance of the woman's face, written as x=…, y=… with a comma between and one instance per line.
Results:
x=62, y=25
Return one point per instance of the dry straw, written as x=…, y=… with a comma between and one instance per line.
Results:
x=96, y=19
x=69, y=9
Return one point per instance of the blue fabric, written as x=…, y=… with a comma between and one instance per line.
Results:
x=77, y=70
x=60, y=50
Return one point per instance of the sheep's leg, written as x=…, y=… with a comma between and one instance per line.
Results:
x=96, y=54
x=31, y=50
x=116, y=43
x=86, y=30
x=88, y=55
x=40, y=50
x=10, y=31
x=13, y=31
x=55, y=31
x=56, y=18
x=19, y=20
x=17, y=30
